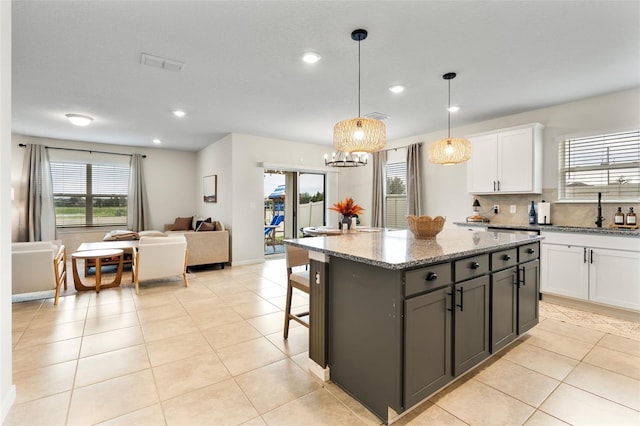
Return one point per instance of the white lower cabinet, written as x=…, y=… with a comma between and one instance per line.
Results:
x=563, y=270
x=614, y=277
x=595, y=268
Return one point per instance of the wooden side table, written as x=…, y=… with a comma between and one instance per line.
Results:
x=97, y=256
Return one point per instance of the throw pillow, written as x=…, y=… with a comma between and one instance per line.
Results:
x=201, y=221
x=218, y=226
x=182, y=224
x=206, y=226
x=120, y=234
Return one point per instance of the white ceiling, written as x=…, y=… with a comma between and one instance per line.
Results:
x=243, y=71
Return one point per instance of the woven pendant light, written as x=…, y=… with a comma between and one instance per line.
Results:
x=359, y=134
x=449, y=150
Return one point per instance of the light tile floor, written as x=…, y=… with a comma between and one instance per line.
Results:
x=213, y=354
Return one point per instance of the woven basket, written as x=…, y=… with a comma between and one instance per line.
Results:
x=425, y=227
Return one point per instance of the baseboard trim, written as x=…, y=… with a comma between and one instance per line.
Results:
x=246, y=262
x=7, y=403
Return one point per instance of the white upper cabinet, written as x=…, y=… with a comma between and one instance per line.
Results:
x=506, y=161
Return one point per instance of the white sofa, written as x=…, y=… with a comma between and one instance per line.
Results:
x=38, y=266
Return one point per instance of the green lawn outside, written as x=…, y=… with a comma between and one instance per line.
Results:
x=97, y=212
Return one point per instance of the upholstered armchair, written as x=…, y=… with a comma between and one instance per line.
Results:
x=38, y=266
x=160, y=257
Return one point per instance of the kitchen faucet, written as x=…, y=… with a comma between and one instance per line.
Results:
x=599, y=218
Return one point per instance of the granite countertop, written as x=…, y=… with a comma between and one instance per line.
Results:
x=401, y=250
x=618, y=232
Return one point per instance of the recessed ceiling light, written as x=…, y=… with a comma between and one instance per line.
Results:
x=79, y=120
x=396, y=89
x=453, y=108
x=311, y=57
x=157, y=141
x=179, y=113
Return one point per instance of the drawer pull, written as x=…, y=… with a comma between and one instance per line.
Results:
x=474, y=265
x=530, y=250
x=432, y=276
x=506, y=257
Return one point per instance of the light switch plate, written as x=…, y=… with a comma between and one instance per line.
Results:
x=512, y=209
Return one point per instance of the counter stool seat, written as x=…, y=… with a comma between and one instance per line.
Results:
x=296, y=257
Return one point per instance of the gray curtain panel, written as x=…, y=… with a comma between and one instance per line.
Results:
x=37, y=217
x=137, y=204
x=377, y=198
x=414, y=179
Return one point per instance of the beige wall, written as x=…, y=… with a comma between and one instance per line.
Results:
x=7, y=389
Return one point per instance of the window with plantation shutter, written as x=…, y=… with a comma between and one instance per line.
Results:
x=609, y=164
x=396, y=195
x=90, y=194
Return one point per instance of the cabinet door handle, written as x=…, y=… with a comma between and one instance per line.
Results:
x=432, y=276
x=506, y=257
x=494, y=186
x=461, y=290
x=474, y=265
x=522, y=275
x=591, y=256
x=449, y=309
x=584, y=258
x=530, y=250
x=498, y=185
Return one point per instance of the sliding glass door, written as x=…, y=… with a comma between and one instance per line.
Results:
x=310, y=205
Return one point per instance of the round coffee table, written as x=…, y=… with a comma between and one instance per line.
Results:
x=97, y=256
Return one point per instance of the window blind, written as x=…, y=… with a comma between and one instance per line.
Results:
x=90, y=194
x=609, y=164
x=396, y=195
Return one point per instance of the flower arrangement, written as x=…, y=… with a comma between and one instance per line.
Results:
x=347, y=207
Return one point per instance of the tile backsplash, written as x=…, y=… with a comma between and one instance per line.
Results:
x=566, y=214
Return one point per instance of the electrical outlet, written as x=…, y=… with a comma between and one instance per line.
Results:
x=513, y=209
x=496, y=208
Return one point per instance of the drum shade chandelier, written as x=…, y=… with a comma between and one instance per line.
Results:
x=450, y=150
x=359, y=135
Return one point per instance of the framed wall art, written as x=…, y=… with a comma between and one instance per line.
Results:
x=210, y=188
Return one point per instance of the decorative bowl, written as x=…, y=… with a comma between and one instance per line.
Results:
x=425, y=227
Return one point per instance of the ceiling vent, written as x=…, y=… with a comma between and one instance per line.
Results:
x=159, y=62
x=377, y=116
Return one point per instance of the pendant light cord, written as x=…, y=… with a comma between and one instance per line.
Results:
x=449, y=113
x=358, y=78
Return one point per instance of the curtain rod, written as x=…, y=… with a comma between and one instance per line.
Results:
x=90, y=151
x=406, y=146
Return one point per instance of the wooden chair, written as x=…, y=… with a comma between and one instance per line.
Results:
x=296, y=257
x=159, y=257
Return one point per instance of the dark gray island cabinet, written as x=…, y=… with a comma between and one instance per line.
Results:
x=394, y=319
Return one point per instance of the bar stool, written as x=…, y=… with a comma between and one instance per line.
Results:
x=296, y=257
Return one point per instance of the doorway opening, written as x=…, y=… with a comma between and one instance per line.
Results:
x=293, y=201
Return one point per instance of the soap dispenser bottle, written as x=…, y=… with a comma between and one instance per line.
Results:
x=532, y=215
x=631, y=217
x=618, y=218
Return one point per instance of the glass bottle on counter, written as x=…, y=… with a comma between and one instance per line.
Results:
x=618, y=218
x=532, y=215
x=631, y=217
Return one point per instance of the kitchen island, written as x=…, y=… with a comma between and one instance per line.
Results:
x=393, y=319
